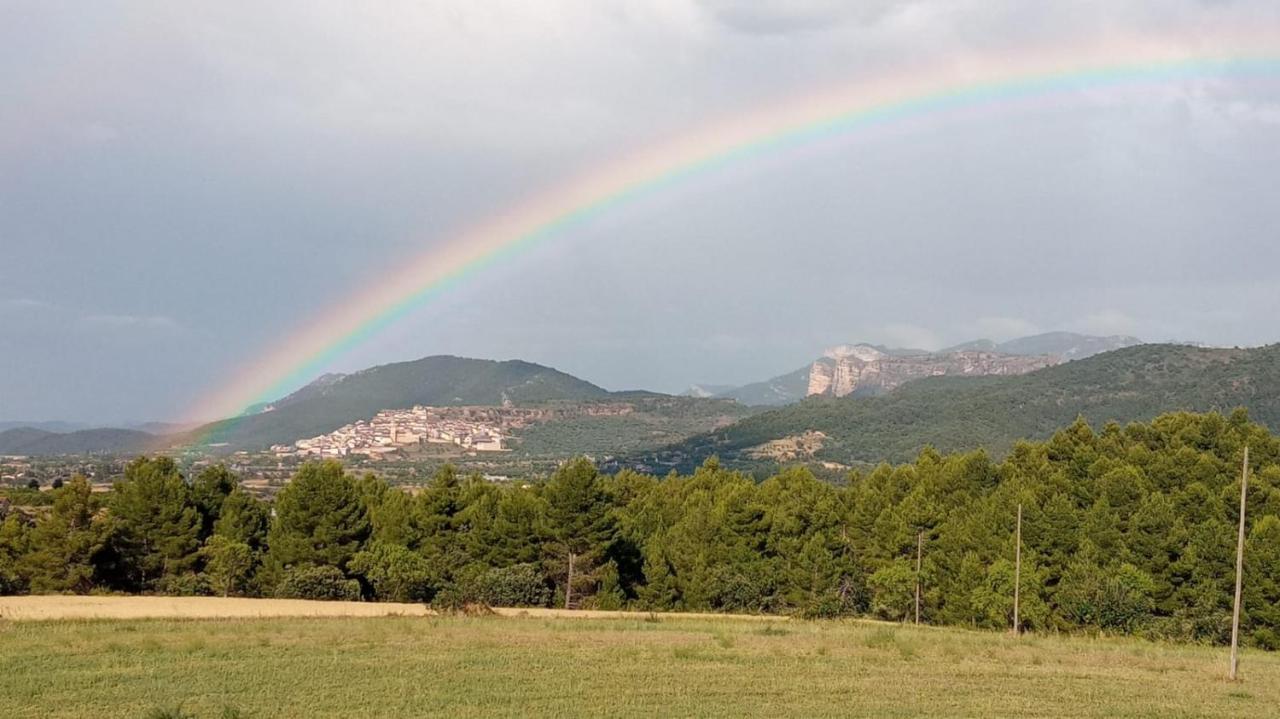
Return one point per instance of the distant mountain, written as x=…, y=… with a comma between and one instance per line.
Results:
x=335, y=400
x=54, y=426
x=783, y=389
x=867, y=371
x=955, y=413
x=972, y=346
x=1066, y=345
x=891, y=366
x=30, y=441
x=707, y=390
x=163, y=427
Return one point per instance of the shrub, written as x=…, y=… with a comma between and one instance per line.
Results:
x=184, y=585
x=741, y=592
x=829, y=605
x=450, y=598
x=327, y=583
x=395, y=573
x=893, y=591
x=1267, y=638
x=1116, y=598
x=521, y=585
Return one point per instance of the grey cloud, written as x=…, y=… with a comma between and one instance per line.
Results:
x=23, y=303
x=139, y=322
x=786, y=17
x=204, y=179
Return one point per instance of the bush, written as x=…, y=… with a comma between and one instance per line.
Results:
x=396, y=573
x=829, y=605
x=740, y=592
x=1266, y=638
x=1165, y=629
x=521, y=585
x=893, y=591
x=449, y=599
x=184, y=585
x=1115, y=598
x=327, y=583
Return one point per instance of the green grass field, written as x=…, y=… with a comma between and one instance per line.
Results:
x=474, y=667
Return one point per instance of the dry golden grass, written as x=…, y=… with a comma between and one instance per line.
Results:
x=52, y=607
x=104, y=607
x=631, y=666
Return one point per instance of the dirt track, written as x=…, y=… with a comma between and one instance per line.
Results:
x=102, y=607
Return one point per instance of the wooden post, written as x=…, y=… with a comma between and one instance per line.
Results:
x=1235, y=612
x=1017, y=570
x=568, y=585
x=919, y=552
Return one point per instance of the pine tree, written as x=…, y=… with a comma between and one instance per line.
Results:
x=209, y=490
x=1262, y=583
x=320, y=520
x=659, y=591
x=64, y=545
x=157, y=520
x=579, y=519
x=245, y=519
x=14, y=544
x=228, y=563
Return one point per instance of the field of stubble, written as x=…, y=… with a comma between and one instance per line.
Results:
x=610, y=665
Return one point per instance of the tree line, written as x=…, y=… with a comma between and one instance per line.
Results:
x=1125, y=530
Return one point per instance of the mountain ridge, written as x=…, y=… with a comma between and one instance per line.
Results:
x=796, y=385
x=948, y=413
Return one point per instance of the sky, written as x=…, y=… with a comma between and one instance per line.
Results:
x=182, y=187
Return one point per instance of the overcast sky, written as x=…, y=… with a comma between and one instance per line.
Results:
x=183, y=184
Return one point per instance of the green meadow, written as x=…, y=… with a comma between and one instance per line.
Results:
x=642, y=666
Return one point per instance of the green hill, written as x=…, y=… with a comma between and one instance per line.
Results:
x=335, y=400
x=953, y=413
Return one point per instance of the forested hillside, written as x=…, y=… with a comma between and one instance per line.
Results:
x=952, y=413
x=1126, y=529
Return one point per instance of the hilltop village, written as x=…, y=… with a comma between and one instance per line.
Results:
x=473, y=429
x=477, y=429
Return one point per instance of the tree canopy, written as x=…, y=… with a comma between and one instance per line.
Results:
x=1125, y=529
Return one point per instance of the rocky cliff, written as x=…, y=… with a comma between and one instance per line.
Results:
x=863, y=369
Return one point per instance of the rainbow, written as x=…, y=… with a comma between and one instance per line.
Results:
x=923, y=93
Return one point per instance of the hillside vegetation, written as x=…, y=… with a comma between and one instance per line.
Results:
x=953, y=413
x=656, y=421
x=1127, y=530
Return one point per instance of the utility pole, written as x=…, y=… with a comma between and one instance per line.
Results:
x=1235, y=612
x=568, y=585
x=919, y=552
x=1017, y=570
